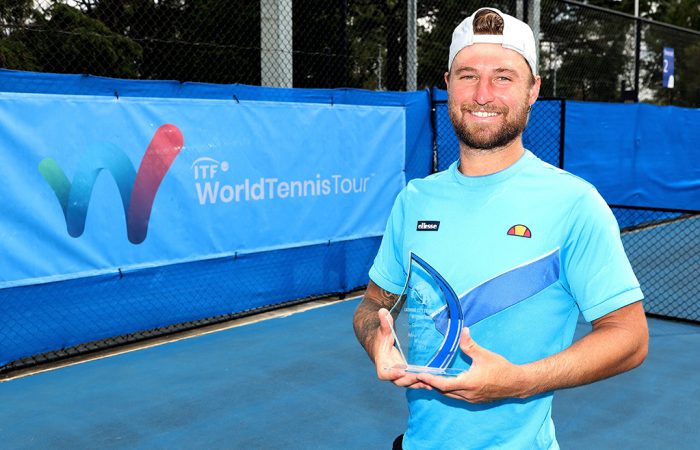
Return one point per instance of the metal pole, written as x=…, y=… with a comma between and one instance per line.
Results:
x=380, y=69
x=637, y=45
x=534, y=22
x=552, y=66
x=276, y=62
x=519, y=10
x=411, y=47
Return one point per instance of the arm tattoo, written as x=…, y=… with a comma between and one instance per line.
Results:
x=366, y=321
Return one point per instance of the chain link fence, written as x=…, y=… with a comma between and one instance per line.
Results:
x=314, y=43
x=664, y=250
x=589, y=53
x=586, y=52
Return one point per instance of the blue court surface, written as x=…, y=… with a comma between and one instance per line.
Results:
x=303, y=382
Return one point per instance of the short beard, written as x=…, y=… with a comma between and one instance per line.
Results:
x=503, y=137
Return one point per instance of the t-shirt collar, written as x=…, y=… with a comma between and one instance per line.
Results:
x=492, y=178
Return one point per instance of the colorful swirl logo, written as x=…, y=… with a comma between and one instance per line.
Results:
x=136, y=188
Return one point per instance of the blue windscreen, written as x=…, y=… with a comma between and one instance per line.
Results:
x=636, y=154
x=134, y=205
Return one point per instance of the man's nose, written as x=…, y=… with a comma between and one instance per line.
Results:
x=484, y=92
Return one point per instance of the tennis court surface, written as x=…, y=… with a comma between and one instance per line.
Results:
x=302, y=382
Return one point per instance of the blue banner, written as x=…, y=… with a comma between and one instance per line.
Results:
x=95, y=184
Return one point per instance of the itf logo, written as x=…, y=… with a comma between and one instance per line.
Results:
x=137, y=189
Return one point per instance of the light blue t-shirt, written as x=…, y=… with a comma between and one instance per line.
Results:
x=529, y=247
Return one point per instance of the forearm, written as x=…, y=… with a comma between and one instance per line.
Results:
x=366, y=320
x=616, y=344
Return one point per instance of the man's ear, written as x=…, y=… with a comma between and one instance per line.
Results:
x=535, y=90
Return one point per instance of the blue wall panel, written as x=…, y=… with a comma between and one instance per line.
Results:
x=636, y=154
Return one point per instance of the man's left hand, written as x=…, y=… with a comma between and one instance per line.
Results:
x=491, y=377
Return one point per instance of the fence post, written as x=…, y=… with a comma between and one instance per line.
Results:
x=411, y=47
x=276, y=62
x=519, y=10
x=637, y=44
x=534, y=22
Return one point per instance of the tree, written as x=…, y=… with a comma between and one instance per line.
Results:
x=686, y=45
x=71, y=42
x=14, y=16
x=321, y=47
x=62, y=39
x=215, y=41
x=367, y=33
x=205, y=40
x=683, y=13
x=378, y=43
x=585, y=54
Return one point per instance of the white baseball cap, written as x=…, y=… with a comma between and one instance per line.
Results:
x=516, y=36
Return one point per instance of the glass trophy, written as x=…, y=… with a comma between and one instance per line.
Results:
x=427, y=322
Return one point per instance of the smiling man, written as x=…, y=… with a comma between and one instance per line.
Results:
x=496, y=210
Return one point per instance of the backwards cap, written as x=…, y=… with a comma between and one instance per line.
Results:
x=516, y=36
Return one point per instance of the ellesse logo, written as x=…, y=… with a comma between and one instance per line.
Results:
x=428, y=225
x=520, y=231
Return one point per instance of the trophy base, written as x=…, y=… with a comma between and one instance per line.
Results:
x=410, y=368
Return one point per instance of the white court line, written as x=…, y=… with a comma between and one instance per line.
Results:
x=182, y=335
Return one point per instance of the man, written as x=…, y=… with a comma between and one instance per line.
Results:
x=500, y=208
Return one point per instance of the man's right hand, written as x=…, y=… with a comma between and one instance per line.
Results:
x=387, y=358
x=372, y=323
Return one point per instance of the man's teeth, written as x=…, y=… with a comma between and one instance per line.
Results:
x=484, y=114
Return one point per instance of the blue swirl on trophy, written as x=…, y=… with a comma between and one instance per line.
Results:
x=453, y=319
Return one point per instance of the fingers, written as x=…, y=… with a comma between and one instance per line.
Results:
x=410, y=381
x=419, y=385
x=438, y=382
x=457, y=388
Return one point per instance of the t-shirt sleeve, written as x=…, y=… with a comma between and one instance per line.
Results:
x=596, y=268
x=388, y=269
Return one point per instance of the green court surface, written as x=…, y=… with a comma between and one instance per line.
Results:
x=303, y=382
